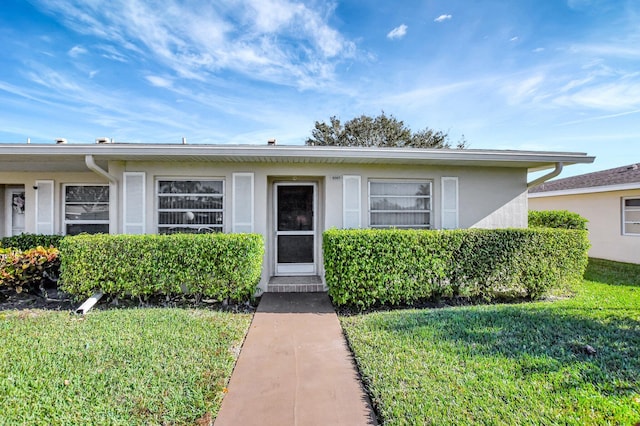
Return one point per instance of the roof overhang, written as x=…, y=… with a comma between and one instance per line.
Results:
x=32, y=157
x=589, y=190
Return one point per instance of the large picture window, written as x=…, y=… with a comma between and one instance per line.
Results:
x=400, y=204
x=86, y=209
x=190, y=206
x=631, y=216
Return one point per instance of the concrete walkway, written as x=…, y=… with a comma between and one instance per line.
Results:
x=295, y=368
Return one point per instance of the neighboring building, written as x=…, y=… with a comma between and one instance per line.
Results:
x=289, y=194
x=609, y=199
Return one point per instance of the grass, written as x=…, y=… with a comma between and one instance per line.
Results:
x=126, y=366
x=509, y=364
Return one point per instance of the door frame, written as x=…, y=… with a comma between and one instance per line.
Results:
x=295, y=269
x=8, y=200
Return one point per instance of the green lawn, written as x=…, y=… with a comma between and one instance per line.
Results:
x=125, y=366
x=509, y=364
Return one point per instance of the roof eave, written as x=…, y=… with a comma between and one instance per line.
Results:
x=588, y=190
x=532, y=160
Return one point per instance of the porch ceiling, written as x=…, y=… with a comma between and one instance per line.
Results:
x=14, y=157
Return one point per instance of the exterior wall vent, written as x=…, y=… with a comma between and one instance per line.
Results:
x=103, y=140
x=61, y=141
x=271, y=142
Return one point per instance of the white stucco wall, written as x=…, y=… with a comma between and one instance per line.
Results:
x=28, y=180
x=488, y=197
x=603, y=210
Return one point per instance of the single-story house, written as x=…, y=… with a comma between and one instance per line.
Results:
x=289, y=194
x=609, y=199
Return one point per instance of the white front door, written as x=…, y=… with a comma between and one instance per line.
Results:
x=295, y=223
x=14, y=203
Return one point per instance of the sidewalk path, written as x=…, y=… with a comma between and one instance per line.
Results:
x=295, y=368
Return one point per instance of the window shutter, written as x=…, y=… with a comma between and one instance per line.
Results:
x=134, y=202
x=242, y=202
x=351, y=199
x=449, y=203
x=44, y=207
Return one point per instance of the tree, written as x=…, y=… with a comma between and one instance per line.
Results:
x=383, y=131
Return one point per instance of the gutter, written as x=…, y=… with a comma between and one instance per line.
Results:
x=113, y=189
x=546, y=177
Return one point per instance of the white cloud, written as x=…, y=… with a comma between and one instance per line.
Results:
x=159, y=81
x=538, y=50
x=582, y=4
x=622, y=50
x=397, y=32
x=442, y=18
x=519, y=90
x=76, y=51
x=54, y=80
x=604, y=117
x=613, y=96
x=516, y=38
x=282, y=41
x=112, y=53
x=575, y=83
x=421, y=96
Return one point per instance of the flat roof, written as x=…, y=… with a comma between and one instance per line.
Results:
x=60, y=157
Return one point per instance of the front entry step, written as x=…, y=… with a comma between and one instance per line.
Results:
x=295, y=284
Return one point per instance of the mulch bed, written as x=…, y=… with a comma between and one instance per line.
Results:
x=55, y=300
x=52, y=300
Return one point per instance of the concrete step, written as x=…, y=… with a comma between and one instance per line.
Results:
x=296, y=284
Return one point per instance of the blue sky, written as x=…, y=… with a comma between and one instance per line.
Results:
x=559, y=75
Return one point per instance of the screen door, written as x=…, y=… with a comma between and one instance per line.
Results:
x=295, y=228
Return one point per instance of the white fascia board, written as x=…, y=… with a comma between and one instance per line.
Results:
x=504, y=158
x=591, y=190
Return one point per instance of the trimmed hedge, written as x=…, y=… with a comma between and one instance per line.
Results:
x=391, y=267
x=30, y=241
x=562, y=219
x=219, y=266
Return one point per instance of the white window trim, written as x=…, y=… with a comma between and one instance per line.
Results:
x=400, y=181
x=66, y=221
x=189, y=178
x=624, y=211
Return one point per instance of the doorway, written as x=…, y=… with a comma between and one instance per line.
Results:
x=14, y=211
x=295, y=233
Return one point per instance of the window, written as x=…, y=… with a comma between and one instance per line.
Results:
x=86, y=209
x=631, y=216
x=190, y=206
x=400, y=204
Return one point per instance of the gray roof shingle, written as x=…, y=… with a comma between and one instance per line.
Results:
x=617, y=176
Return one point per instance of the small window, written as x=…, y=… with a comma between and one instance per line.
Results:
x=190, y=206
x=400, y=204
x=631, y=216
x=86, y=209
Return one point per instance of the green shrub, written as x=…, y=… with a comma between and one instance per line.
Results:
x=220, y=266
x=563, y=219
x=379, y=267
x=26, y=270
x=25, y=242
x=29, y=241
